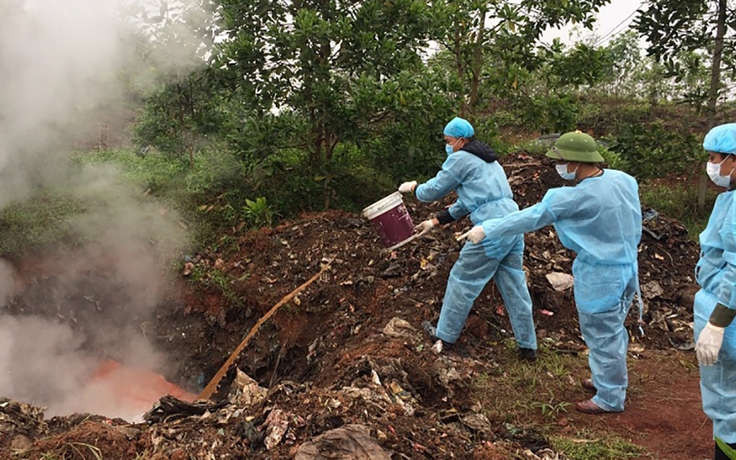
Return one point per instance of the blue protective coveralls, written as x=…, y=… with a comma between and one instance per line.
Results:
x=483, y=192
x=599, y=219
x=716, y=275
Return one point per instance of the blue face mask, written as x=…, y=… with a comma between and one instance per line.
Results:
x=449, y=148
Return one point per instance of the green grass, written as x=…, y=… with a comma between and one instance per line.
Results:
x=169, y=178
x=46, y=219
x=521, y=392
x=203, y=277
x=210, y=194
x=589, y=446
x=539, y=395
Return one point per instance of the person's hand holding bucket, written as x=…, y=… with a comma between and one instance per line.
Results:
x=408, y=187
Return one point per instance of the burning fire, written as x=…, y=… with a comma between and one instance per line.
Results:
x=126, y=392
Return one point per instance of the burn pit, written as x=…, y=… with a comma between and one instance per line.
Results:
x=331, y=336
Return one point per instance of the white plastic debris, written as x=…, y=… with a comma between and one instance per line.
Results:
x=277, y=423
x=560, y=281
x=245, y=391
x=651, y=290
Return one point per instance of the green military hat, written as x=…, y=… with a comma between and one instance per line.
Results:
x=575, y=146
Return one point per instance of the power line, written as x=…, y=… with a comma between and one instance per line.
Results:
x=601, y=39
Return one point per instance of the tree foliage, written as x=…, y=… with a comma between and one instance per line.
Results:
x=330, y=103
x=496, y=44
x=687, y=36
x=697, y=28
x=311, y=57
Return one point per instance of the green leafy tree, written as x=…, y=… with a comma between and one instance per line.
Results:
x=623, y=74
x=631, y=74
x=697, y=28
x=496, y=42
x=307, y=57
x=685, y=34
x=178, y=116
x=167, y=69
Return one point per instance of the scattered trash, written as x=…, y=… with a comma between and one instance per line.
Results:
x=276, y=425
x=398, y=327
x=649, y=214
x=687, y=345
x=245, y=391
x=651, y=290
x=560, y=281
x=322, y=335
x=20, y=418
x=169, y=408
x=477, y=422
x=351, y=442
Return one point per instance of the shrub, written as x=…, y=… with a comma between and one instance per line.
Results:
x=652, y=151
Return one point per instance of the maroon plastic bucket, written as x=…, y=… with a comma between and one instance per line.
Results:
x=391, y=220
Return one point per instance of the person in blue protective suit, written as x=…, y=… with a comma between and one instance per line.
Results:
x=600, y=219
x=483, y=192
x=715, y=302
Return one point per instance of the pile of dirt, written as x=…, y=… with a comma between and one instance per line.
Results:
x=347, y=353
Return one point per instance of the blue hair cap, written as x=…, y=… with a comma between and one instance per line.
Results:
x=721, y=139
x=459, y=127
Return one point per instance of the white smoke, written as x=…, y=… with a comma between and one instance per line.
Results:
x=59, y=58
x=43, y=362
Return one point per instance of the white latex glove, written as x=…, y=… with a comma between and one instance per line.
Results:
x=425, y=227
x=475, y=235
x=407, y=187
x=709, y=344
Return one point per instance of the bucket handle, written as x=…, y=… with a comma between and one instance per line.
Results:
x=408, y=240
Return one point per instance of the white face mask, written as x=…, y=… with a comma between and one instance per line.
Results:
x=714, y=172
x=562, y=171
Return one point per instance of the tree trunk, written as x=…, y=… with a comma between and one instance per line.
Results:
x=715, y=83
x=458, y=52
x=715, y=73
x=477, y=67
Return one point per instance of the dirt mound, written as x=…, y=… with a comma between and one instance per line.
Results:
x=349, y=349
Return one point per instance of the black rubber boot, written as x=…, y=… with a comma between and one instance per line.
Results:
x=528, y=354
x=720, y=455
x=430, y=330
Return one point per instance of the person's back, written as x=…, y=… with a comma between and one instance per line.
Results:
x=608, y=208
x=482, y=189
x=599, y=219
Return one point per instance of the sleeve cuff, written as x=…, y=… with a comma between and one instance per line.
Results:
x=445, y=217
x=722, y=316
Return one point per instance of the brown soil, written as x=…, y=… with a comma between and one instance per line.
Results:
x=327, y=362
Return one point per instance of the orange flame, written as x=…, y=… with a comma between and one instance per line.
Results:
x=134, y=390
